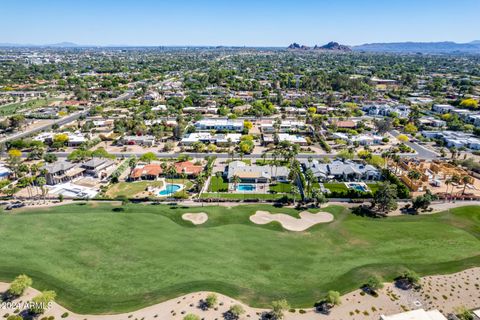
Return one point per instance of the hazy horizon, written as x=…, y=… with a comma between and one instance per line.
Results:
x=249, y=23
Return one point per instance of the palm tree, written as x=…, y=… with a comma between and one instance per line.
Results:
x=236, y=180
x=455, y=180
x=171, y=172
x=310, y=178
x=218, y=175
x=447, y=182
x=199, y=182
x=465, y=180
x=294, y=191
x=41, y=182
x=132, y=163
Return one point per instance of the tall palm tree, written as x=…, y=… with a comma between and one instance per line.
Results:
x=41, y=182
x=447, y=182
x=294, y=191
x=171, y=172
x=236, y=180
x=465, y=180
x=218, y=175
x=310, y=178
x=455, y=180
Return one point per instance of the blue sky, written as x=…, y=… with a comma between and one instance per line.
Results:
x=237, y=22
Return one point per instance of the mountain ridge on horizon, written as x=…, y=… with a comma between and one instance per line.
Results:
x=392, y=47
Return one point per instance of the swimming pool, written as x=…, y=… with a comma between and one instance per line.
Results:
x=169, y=189
x=361, y=187
x=246, y=187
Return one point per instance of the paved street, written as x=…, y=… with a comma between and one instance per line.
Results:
x=422, y=152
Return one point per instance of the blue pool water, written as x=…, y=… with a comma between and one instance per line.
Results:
x=358, y=187
x=169, y=189
x=246, y=187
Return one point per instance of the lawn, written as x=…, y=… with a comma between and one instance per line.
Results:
x=102, y=259
x=218, y=184
x=281, y=187
x=130, y=189
x=245, y=196
x=341, y=187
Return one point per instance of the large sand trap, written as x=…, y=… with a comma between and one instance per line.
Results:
x=195, y=218
x=290, y=223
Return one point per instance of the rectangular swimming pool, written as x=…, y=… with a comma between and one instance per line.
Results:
x=246, y=187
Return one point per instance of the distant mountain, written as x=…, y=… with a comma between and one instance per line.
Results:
x=331, y=46
x=63, y=45
x=334, y=46
x=53, y=45
x=296, y=46
x=421, y=47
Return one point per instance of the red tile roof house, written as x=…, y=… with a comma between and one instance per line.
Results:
x=153, y=171
x=148, y=172
x=188, y=168
x=348, y=124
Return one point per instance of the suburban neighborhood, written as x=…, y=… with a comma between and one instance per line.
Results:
x=314, y=181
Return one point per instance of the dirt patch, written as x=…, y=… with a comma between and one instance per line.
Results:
x=306, y=221
x=195, y=218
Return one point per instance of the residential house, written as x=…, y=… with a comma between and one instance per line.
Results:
x=361, y=139
x=206, y=137
x=98, y=167
x=281, y=137
x=442, y=108
x=455, y=139
x=342, y=170
x=269, y=126
x=386, y=110
x=61, y=172
x=255, y=174
x=219, y=125
x=4, y=172
x=147, y=140
x=188, y=168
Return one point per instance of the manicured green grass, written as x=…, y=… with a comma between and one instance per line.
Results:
x=341, y=187
x=245, y=196
x=130, y=189
x=218, y=184
x=281, y=187
x=101, y=259
x=336, y=187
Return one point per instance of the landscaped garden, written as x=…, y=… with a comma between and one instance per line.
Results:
x=101, y=258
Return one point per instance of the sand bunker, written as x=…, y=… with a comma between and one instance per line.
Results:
x=306, y=220
x=195, y=218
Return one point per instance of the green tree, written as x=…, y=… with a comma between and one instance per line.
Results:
x=410, y=128
x=345, y=155
x=279, y=307
x=211, y=300
x=236, y=310
x=385, y=199
x=374, y=283
x=19, y=285
x=41, y=182
x=148, y=157
x=333, y=298
x=191, y=317
x=41, y=301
